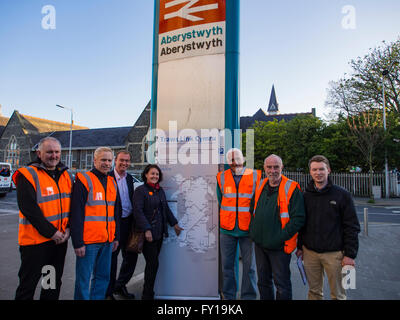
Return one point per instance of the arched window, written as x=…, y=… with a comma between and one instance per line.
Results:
x=145, y=146
x=13, y=152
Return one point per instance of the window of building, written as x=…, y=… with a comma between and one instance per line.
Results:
x=89, y=160
x=86, y=162
x=145, y=147
x=12, y=152
x=65, y=158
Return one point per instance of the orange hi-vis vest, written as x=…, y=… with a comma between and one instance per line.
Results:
x=286, y=189
x=53, y=199
x=99, y=225
x=236, y=201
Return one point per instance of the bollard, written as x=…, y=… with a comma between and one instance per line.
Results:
x=366, y=221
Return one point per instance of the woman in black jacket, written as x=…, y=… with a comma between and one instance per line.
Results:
x=151, y=213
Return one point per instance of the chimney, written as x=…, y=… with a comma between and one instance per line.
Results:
x=313, y=111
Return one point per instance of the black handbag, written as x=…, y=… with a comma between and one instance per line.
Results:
x=135, y=241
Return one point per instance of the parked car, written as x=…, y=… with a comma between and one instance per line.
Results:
x=5, y=178
x=136, y=182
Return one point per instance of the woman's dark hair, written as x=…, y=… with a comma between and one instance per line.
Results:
x=148, y=168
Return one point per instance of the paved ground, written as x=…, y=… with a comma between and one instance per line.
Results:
x=378, y=260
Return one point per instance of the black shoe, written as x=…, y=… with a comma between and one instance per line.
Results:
x=124, y=293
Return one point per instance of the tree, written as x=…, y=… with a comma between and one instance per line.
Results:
x=368, y=132
x=338, y=146
x=269, y=138
x=295, y=141
x=392, y=142
x=303, y=139
x=362, y=88
x=362, y=91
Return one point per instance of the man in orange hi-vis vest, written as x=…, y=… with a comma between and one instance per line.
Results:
x=278, y=214
x=43, y=194
x=236, y=187
x=95, y=216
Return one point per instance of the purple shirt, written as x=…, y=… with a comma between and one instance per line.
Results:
x=124, y=194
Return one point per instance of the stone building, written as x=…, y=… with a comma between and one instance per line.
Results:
x=20, y=135
x=272, y=113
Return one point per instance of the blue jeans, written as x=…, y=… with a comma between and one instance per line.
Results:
x=273, y=265
x=93, y=269
x=228, y=245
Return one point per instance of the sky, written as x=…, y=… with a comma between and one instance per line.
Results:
x=98, y=58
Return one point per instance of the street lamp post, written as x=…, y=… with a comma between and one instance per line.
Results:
x=385, y=73
x=70, y=136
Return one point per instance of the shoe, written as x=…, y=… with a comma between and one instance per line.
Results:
x=124, y=293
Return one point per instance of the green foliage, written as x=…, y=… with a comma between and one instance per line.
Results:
x=298, y=140
x=269, y=138
x=356, y=137
x=392, y=141
x=303, y=136
x=361, y=92
x=361, y=89
x=338, y=147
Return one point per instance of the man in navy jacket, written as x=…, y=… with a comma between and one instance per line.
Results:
x=329, y=240
x=126, y=190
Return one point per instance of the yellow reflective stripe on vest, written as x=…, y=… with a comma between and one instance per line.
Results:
x=222, y=182
x=56, y=217
x=233, y=209
x=54, y=197
x=91, y=202
x=43, y=199
x=287, y=186
x=39, y=197
x=241, y=195
x=254, y=182
x=99, y=218
x=90, y=199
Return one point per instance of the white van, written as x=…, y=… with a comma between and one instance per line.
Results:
x=5, y=178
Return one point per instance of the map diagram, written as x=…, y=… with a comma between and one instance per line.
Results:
x=193, y=202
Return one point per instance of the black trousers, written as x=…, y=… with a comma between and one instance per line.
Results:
x=151, y=250
x=33, y=259
x=129, y=259
x=273, y=268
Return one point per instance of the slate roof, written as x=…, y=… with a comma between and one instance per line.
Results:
x=90, y=138
x=260, y=115
x=3, y=121
x=44, y=125
x=33, y=125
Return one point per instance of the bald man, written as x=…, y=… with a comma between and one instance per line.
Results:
x=235, y=190
x=278, y=214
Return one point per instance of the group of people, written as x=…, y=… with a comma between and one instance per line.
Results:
x=270, y=218
x=98, y=209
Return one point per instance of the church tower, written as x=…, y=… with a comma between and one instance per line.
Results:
x=273, y=106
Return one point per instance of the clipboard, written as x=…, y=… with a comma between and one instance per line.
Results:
x=301, y=270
